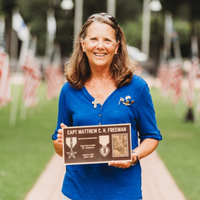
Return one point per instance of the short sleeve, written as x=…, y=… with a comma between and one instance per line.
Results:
x=147, y=125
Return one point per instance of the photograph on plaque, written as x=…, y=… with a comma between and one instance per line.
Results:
x=120, y=145
x=96, y=144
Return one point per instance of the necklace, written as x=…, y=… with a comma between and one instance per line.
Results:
x=96, y=101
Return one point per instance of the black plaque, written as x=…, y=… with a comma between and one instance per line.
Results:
x=96, y=144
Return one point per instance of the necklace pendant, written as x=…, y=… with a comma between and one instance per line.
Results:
x=95, y=102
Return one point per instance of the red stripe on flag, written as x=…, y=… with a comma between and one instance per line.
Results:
x=192, y=75
x=5, y=91
x=163, y=75
x=176, y=78
x=54, y=80
x=32, y=76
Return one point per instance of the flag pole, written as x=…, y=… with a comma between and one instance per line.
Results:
x=111, y=7
x=191, y=78
x=16, y=89
x=23, y=34
x=32, y=47
x=78, y=17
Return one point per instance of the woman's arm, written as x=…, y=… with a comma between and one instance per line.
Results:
x=58, y=143
x=146, y=147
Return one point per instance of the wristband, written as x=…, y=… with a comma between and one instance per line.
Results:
x=132, y=164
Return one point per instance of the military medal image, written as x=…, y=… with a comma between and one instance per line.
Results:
x=104, y=140
x=71, y=142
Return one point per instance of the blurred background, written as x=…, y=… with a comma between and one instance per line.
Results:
x=36, y=39
x=144, y=25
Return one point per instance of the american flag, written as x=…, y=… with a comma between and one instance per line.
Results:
x=195, y=65
x=163, y=75
x=5, y=91
x=32, y=76
x=54, y=80
x=192, y=75
x=198, y=100
x=176, y=78
x=171, y=76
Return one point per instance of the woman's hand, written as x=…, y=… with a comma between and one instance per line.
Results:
x=58, y=143
x=144, y=149
x=122, y=164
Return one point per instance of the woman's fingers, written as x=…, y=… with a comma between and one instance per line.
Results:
x=60, y=130
x=62, y=125
x=122, y=165
x=59, y=135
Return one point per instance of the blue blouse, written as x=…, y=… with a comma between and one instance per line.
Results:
x=100, y=181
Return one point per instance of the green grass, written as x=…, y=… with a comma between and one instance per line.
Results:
x=25, y=148
x=180, y=146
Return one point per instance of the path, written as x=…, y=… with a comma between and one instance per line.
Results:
x=158, y=184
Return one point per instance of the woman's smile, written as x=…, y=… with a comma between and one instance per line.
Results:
x=100, y=54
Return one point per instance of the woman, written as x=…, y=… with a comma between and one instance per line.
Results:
x=100, y=79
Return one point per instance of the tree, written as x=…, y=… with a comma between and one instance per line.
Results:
x=128, y=13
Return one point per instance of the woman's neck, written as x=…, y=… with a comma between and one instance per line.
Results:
x=100, y=74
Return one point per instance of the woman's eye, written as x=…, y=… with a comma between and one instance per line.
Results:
x=107, y=40
x=93, y=38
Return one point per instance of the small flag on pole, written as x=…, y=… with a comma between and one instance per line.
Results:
x=176, y=78
x=5, y=91
x=32, y=76
x=54, y=69
x=193, y=72
x=163, y=75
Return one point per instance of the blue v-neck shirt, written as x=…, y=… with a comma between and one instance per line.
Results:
x=100, y=181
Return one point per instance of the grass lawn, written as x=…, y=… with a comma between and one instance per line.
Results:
x=26, y=147
x=180, y=146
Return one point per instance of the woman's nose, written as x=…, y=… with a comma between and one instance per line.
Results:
x=100, y=44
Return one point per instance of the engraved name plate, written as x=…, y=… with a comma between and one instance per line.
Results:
x=96, y=144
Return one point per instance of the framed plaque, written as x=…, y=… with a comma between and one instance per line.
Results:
x=96, y=144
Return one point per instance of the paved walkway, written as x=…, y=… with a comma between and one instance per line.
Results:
x=157, y=181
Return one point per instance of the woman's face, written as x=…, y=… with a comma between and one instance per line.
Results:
x=100, y=45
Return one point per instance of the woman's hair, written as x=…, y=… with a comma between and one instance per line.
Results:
x=77, y=69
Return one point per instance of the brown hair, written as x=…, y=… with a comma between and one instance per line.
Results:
x=77, y=69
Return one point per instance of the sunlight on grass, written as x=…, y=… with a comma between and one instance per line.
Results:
x=180, y=147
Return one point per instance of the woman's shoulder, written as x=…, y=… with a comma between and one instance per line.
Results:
x=138, y=81
x=67, y=87
x=137, y=85
x=67, y=90
x=138, y=78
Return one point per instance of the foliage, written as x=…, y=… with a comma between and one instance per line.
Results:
x=185, y=12
x=132, y=31
x=34, y=15
x=184, y=32
x=6, y=6
x=179, y=148
x=190, y=6
x=128, y=10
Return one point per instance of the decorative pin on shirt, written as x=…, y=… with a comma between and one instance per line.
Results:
x=127, y=101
